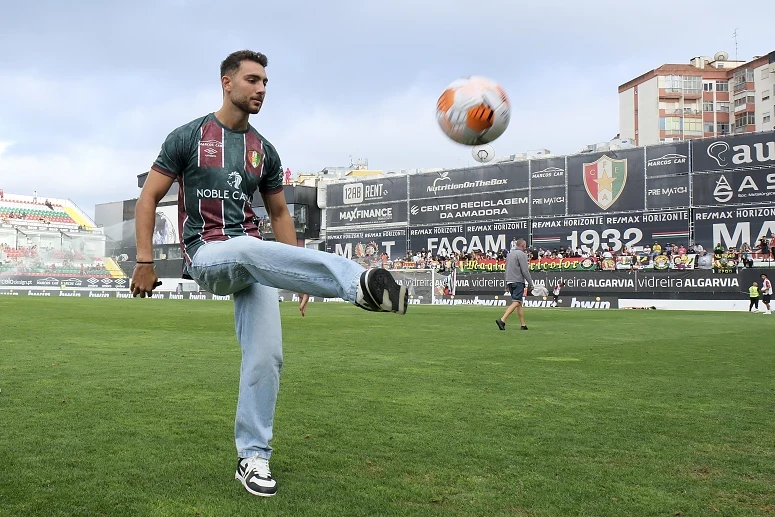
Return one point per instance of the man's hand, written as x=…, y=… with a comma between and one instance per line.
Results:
x=303, y=299
x=144, y=280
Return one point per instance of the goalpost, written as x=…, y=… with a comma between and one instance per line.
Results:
x=424, y=285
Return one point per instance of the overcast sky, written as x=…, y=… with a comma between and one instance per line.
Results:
x=88, y=91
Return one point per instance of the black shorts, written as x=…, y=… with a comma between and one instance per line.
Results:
x=517, y=291
x=766, y=298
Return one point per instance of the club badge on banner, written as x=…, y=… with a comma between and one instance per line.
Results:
x=606, y=182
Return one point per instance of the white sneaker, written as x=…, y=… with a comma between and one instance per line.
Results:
x=766, y=312
x=255, y=476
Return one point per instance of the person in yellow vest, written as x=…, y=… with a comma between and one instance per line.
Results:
x=753, y=293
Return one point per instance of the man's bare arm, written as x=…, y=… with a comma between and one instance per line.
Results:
x=280, y=218
x=155, y=187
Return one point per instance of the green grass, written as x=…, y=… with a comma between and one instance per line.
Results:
x=126, y=407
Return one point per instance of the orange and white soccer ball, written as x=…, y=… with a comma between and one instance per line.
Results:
x=473, y=110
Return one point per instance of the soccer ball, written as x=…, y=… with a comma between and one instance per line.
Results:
x=473, y=110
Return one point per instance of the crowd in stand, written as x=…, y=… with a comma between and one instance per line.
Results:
x=697, y=256
x=7, y=217
x=47, y=260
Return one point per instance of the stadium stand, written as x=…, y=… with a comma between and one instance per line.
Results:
x=51, y=237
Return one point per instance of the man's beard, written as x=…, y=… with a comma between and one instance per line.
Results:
x=243, y=103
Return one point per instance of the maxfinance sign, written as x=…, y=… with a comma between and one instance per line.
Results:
x=366, y=214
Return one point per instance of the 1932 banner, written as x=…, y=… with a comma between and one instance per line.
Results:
x=366, y=214
x=733, y=227
x=361, y=244
x=736, y=152
x=606, y=182
x=547, y=201
x=547, y=172
x=613, y=231
x=476, y=180
x=667, y=192
x=735, y=187
x=662, y=160
x=473, y=207
x=380, y=190
x=466, y=238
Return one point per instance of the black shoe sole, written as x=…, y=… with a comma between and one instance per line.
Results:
x=385, y=292
x=251, y=491
x=241, y=479
x=501, y=325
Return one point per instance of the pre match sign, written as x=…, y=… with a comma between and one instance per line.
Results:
x=547, y=201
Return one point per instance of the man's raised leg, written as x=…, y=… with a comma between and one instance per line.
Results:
x=296, y=269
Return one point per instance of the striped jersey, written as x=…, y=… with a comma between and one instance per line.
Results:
x=218, y=170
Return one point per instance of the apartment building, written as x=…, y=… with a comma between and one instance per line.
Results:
x=709, y=97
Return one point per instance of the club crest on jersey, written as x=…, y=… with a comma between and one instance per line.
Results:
x=254, y=157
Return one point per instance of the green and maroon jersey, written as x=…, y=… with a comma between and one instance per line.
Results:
x=218, y=170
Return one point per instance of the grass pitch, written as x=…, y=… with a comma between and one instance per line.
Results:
x=126, y=407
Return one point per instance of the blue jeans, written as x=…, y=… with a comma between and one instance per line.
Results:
x=252, y=270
